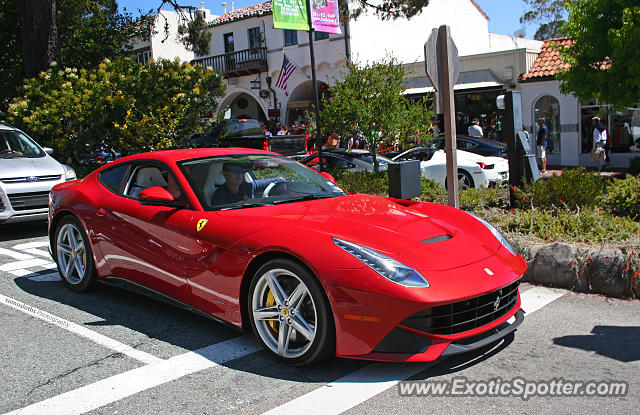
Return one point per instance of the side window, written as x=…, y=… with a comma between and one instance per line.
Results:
x=466, y=144
x=145, y=176
x=338, y=163
x=113, y=178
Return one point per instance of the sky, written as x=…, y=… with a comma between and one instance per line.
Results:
x=504, y=14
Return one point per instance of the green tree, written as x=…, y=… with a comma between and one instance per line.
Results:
x=127, y=105
x=604, y=56
x=195, y=36
x=368, y=99
x=550, y=14
x=11, y=69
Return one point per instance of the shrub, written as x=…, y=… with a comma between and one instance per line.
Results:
x=582, y=225
x=431, y=191
x=483, y=197
x=623, y=197
x=572, y=188
x=363, y=182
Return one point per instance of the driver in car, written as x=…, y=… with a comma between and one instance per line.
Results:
x=235, y=188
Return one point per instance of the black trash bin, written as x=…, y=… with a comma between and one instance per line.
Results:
x=404, y=179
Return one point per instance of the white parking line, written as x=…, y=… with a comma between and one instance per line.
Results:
x=81, y=331
x=15, y=255
x=36, y=262
x=357, y=387
x=106, y=391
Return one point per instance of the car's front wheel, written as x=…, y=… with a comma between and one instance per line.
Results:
x=73, y=255
x=290, y=314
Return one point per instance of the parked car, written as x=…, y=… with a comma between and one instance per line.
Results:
x=477, y=145
x=313, y=271
x=27, y=174
x=346, y=160
x=246, y=133
x=98, y=155
x=473, y=170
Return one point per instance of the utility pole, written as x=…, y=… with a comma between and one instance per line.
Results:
x=316, y=101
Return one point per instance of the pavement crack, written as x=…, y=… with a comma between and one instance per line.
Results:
x=69, y=372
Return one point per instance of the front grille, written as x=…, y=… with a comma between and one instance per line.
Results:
x=465, y=315
x=31, y=179
x=26, y=201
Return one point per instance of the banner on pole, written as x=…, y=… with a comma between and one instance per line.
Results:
x=290, y=14
x=325, y=16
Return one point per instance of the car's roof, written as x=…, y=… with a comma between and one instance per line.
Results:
x=482, y=140
x=168, y=156
x=6, y=127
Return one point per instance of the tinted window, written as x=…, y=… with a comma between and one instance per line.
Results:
x=113, y=178
x=465, y=144
x=15, y=144
x=243, y=128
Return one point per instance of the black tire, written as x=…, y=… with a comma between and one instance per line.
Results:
x=467, y=178
x=70, y=272
x=286, y=273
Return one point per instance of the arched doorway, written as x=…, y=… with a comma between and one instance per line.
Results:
x=548, y=107
x=301, y=101
x=243, y=105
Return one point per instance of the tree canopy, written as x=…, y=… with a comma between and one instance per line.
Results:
x=605, y=51
x=550, y=14
x=368, y=100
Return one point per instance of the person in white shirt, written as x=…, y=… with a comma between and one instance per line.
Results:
x=600, y=141
x=474, y=129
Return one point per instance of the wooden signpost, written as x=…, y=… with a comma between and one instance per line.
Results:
x=441, y=66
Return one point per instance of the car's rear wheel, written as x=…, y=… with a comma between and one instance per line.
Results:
x=465, y=181
x=290, y=314
x=73, y=255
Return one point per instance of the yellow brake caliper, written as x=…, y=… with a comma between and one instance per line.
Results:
x=271, y=301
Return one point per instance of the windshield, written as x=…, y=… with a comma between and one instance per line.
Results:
x=381, y=160
x=16, y=144
x=243, y=127
x=243, y=181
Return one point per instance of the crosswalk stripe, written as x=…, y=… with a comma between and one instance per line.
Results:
x=80, y=330
x=353, y=389
x=106, y=391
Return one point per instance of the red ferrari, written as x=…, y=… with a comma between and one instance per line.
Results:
x=257, y=240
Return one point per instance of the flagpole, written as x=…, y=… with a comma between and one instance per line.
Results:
x=315, y=85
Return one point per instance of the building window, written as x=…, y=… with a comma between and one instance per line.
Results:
x=321, y=35
x=548, y=108
x=255, y=38
x=623, y=127
x=143, y=57
x=290, y=37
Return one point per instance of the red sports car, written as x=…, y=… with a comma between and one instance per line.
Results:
x=257, y=240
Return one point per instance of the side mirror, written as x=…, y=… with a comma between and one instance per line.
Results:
x=328, y=177
x=48, y=150
x=159, y=196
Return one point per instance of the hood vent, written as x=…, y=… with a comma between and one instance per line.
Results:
x=438, y=238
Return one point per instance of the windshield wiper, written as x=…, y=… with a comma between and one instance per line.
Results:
x=245, y=205
x=305, y=197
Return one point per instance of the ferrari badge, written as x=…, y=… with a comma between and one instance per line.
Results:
x=201, y=224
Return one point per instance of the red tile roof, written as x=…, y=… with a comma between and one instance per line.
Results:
x=548, y=63
x=255, y=10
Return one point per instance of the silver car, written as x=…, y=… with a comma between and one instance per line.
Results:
x=27, y=174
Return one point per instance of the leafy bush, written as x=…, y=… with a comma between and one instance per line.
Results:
x=125, y=104
x=363, y=182
x=431, y=191
x=634, y=166
x=573, y=188
x=582, y=225
x=483, y=197
x=623, y=197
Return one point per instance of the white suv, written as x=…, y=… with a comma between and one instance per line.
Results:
x=27, y=174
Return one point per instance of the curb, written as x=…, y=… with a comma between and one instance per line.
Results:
x=614, y=272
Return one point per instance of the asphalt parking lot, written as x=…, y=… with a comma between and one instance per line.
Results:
x=111, y=351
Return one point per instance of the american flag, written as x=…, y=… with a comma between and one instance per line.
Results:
x=285, y=72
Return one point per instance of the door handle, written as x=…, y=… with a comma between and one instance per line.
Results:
x=101, y=212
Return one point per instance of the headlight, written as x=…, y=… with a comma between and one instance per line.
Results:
x=497, y=234
x=69, y=173
x=383, y=265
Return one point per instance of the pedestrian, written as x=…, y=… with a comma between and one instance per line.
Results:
x=283, y=130
x=600, y=139
x=474, y=129
x=543, y=142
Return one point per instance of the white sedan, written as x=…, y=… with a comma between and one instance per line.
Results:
x=473, y=170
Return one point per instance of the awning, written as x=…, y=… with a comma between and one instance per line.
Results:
x=466, y=80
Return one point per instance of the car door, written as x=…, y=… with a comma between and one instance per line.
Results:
x=147, y=245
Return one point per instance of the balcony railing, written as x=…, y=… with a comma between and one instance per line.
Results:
x=233, y=64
